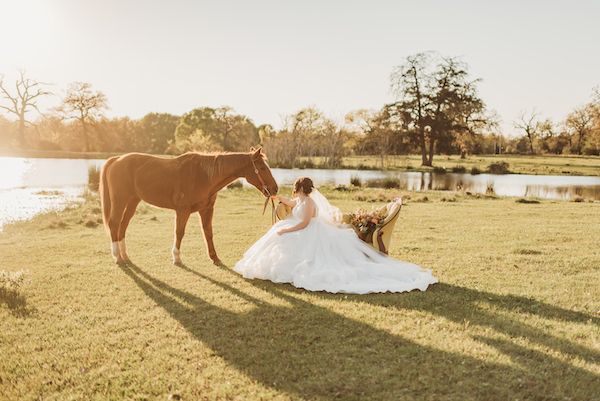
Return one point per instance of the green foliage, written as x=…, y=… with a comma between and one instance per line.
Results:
x=93, y=178
x=355, y=181
x=155, y=131
x=307, y=134
x=437, y=104
x=206, y=129
x=307, y=163
x=498, y=168
x=387, y=182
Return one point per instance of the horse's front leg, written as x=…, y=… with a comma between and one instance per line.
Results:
x=206, y=216
x=181, y=220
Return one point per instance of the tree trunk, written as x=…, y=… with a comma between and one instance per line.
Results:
x=86, y=142
x=424, y=161
x=21, y=133
x=431, y=148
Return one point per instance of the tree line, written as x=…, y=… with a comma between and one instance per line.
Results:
x=437, y=110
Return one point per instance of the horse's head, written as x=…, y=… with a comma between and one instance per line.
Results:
x=259, y=174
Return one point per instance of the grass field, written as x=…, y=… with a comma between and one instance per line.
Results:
x=516, y=315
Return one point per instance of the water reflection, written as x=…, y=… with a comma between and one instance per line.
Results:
x=22, y=179
x=18, y=172
x=24, y=203
x=539, y=186
x=25, y=185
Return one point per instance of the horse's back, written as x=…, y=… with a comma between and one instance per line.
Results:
x=154, y=179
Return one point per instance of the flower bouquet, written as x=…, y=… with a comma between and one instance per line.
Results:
x=366, y=222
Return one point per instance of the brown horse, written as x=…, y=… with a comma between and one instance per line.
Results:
x=187, y=184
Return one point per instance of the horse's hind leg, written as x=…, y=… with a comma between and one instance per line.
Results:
x=127, y=215
x=206, y=217
x=116, y=216
x=180, y=223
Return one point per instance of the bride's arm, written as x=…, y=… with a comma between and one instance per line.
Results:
x=284, y=200
x=309, y=210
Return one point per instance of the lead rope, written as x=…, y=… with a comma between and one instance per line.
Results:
x=268, y=196
x=273, y=213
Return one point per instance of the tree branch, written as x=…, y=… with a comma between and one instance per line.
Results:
x=8, y=109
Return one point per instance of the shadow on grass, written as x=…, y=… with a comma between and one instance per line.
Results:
x=312, y=352
x=15, y=302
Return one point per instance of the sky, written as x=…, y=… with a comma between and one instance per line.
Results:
x=268, y=59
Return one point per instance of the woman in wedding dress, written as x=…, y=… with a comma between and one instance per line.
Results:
x=312, y=250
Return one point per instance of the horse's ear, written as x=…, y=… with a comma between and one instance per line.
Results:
x=257, y=152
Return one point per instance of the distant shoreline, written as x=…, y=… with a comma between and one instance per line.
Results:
x=518, y=164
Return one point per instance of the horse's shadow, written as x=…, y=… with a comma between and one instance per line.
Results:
x=341, y=358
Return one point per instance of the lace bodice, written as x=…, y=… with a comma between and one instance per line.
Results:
x=298, y=210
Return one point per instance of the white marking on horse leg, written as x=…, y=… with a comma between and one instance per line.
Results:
x=176, y=255
x=114, y=249
x=123, y=250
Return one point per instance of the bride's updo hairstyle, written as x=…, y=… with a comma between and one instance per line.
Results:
x=303, y=184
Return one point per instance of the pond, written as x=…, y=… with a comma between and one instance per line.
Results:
x=30, y=185
x=538, y=186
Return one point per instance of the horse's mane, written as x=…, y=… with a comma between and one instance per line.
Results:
x=211, y=162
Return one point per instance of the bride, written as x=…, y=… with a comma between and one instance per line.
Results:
x=312, y=250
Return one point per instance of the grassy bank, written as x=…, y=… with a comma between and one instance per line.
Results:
x=516, y=314
x=519, y=164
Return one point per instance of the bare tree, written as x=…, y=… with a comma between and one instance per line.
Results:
x=83, y=104
x=26, y=97
x=529, y=124
x=436, y=101
x=302, y=126
x=359, y=124
x=581, y=122
x=408, y=84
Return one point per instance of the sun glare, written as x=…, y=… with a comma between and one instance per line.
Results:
x=31, y=21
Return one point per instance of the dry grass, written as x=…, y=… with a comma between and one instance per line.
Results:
x=515, y=315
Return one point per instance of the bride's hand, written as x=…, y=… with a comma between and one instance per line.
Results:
x=281, y=231
x=275, y=197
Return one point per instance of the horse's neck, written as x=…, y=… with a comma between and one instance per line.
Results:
x=231, y=168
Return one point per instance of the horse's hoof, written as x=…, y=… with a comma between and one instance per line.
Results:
x=178, y=263
x=121, y=262
x=217, y=262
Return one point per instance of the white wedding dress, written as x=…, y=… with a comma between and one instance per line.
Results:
x=327, y=256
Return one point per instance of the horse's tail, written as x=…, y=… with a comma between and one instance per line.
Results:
x=104, y=192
